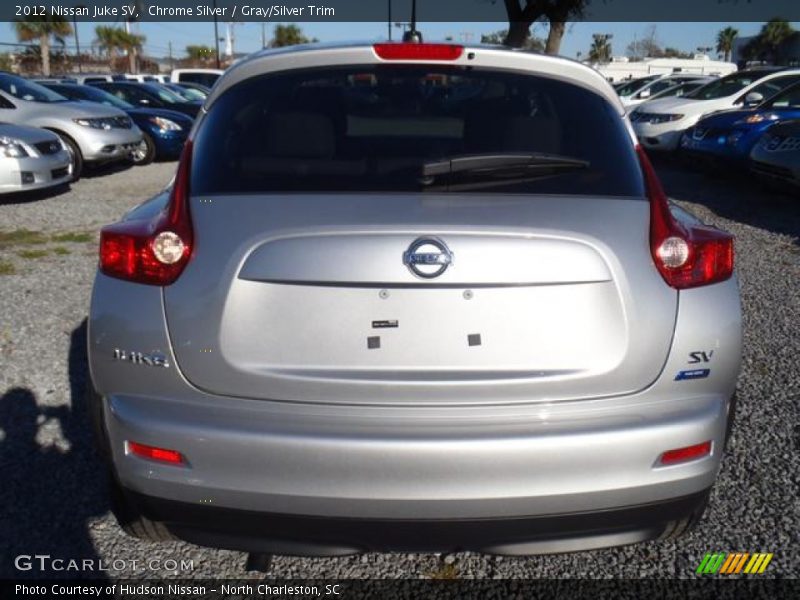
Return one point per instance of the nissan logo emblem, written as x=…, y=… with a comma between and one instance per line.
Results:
x=428, y=257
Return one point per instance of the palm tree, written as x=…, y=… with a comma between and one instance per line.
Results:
x=288, y=35
x=773, y=34
x=42, y=29
x=600, y=50
x=725, y=40
x=131, y=43
x=107, y=41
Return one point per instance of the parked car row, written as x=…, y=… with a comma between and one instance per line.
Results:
x=51, y=129
x=747, y=119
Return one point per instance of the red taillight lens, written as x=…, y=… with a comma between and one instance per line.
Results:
x=686, y=256
x=153, y=252
x=404, y=51
x=172, y=457
x=679, y=455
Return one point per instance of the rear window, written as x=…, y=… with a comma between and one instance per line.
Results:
x=405, y=128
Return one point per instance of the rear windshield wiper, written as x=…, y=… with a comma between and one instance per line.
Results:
x=492, y=168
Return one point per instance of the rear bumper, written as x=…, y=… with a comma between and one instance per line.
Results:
x=325, y=536
x=327, y=462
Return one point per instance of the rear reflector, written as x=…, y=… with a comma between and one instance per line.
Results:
x=157, y=454
x=679, y=455
x=403, y=51
x=686, y=256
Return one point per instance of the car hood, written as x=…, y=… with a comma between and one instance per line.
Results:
x=29, y=135
x=73, y=110
x=727, y=118
x=686, y=106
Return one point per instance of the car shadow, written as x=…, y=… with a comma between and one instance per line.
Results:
x=101, y=170
x=34, y=195
x=732, y=194
x=50, y=493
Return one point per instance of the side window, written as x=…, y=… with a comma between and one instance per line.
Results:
x=129, y=94
x=6, y=103
x=771, y=87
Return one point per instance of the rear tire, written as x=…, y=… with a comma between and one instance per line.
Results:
x=134, y=523
x=679, y=527
x=145, y=153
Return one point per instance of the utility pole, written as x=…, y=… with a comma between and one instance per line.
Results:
x=389, y=21
x=263, y=36
x=171, y=64
x=77, y=39
x=216, y=34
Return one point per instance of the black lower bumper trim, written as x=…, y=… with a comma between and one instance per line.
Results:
x=302, y=535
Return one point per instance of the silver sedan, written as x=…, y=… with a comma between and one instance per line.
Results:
x=31, y=159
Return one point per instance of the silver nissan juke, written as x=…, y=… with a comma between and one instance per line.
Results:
x=412, y=297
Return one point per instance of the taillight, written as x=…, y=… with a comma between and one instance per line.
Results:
x=685, y=454
x=172, y=457
x=153, y=252
x=413, y=51
x=687, y=256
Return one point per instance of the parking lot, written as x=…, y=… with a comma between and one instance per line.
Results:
x=53, y=485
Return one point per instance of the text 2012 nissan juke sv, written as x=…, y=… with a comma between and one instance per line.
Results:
x=412, y=297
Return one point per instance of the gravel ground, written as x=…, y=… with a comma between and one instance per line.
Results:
x=53, y=490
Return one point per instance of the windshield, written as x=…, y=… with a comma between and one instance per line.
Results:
x=189, y=93
x=681, y=89
x=166, y=95
x=409, y=128
x=28, y=90
x=789, y=98
x=726, y=86
x=92, y=94
x=634, y=86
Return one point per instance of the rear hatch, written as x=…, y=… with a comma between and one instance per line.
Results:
x=539, y=304
x=306, y=218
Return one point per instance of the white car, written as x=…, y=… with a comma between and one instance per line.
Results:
x=31, y=159
x=657, y=86
x=206, y=77
x=659, y=124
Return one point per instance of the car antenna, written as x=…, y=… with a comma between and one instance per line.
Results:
x=412, y=35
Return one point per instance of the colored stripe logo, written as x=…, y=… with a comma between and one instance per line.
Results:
x=731, y=563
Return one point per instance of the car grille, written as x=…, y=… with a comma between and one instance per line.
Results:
x=701, y=133
x=59, y=173
x=779, y=143
x=48, y=147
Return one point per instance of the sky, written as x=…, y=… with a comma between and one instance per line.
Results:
x=683, y=36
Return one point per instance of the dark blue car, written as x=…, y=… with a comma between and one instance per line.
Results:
x=165, y=131
x=730, y=135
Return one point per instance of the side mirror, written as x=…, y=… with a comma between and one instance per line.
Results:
x=753, y=98
x=644, y=94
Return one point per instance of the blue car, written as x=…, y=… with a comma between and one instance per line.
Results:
x=164, y=131
x=730, y=135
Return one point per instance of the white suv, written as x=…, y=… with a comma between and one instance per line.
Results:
x=660, y=123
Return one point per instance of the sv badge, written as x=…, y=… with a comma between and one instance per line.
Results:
x=700, y=357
